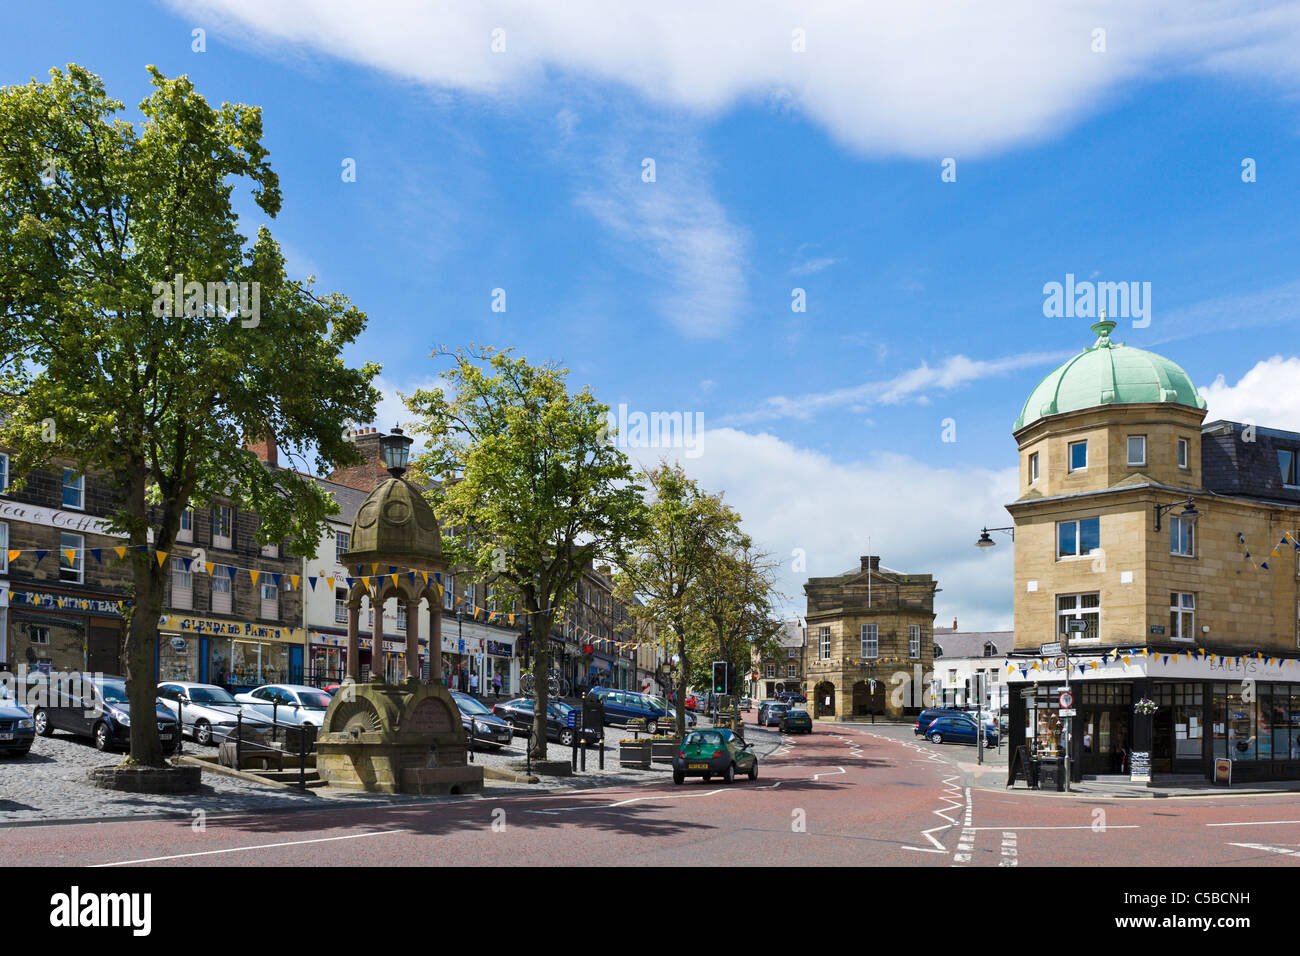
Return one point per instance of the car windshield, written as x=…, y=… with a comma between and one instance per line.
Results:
x=559, y=709
x=113, y=691
x=470, y=705
x=209, y=695
x=797, y=713
x=704, y=738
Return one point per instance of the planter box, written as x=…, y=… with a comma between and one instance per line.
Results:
x=663, y=751
x=186, y=779
x=635, y=756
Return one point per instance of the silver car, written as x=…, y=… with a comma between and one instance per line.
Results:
x=291, y=704
x=209, y=713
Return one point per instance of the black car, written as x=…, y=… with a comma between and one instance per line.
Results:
x=94, y=706
x=519, y=713
x=488, y=729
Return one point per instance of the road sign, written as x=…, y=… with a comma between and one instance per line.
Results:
x=1066, y=700
x=1076, y=625
x=1060, y=662
x=1066, y=713
x=1050, y=650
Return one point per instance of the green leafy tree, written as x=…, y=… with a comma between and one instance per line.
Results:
x=154, y=392
x=665, y=568
x=538, y=489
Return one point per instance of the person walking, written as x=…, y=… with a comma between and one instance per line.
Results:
x=496, y=684
x=473, y=683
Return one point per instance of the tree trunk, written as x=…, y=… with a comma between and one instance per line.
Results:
x=541, y=692
x=679, y=692
x=142, y=641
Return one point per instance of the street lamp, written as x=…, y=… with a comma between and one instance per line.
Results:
x=985, y=541
x=395, y=449
x=1189, y=512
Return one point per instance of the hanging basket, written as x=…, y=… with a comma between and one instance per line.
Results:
x=1146, y=707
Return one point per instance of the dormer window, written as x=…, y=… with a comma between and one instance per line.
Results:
x=1287, y=460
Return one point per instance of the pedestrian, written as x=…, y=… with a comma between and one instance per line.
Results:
x=496, y=685
x=473, y=684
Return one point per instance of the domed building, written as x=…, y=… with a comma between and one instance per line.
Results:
x=1155, y=560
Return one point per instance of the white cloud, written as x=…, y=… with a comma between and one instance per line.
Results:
x=813, y=266
x=954, y=372
x=960, y=79
x=919, y=518
x=1267, y=395
x=392, y=411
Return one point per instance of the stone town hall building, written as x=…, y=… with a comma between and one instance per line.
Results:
x=870, y=641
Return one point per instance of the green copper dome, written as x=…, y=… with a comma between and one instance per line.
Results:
x=1109, y=373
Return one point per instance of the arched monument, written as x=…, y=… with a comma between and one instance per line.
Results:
x=407, y=737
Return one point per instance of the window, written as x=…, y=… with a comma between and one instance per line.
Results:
x=824, y=643
x=469, y=594
x=182, y=586
x=491, y=598
x=1286, y=460
x=990, y=649
x=1033, y=467
x=74, y=489
x=270, y=600
x=1182, y=537
x=221, y=603
x=1137, y=450
x=938, y=650
x=186, y=531
x=71, y=569
x=914, y=640
x=221, y=520
x=770, y=670
x=271, y=551
x=1079, y=606
x=342, y=541
x=870, y=640
x=1078, y=455
x=40, y=635
x=789, y=652
x=340, y=605
x=791, y=670
x=1182, y=453
x=401, y=615
x=4, y=472
x=1182, y=616
x=449, y=592
x=4, y=548
x=1077, y=538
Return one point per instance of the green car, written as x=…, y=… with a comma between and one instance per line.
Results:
x=796, y=722
x=714, y=753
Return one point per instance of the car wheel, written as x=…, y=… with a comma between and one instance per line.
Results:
x=753, y=771
x=202, y=732
x=679, y=778
x=652, y=727
x=729, y=775
x=42, y=720
x=101, y=736
x=936, y=738
x=566, y=738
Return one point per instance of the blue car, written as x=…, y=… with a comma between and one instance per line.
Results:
x=958, y=729
x=624, y=705
x=17, y=728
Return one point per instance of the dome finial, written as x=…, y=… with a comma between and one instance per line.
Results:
x=1102, y=330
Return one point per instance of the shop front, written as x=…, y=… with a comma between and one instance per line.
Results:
x=52, y=631
x=238, y=655
x=329, y=657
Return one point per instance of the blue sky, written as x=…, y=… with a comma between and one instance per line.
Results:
x=775, y=170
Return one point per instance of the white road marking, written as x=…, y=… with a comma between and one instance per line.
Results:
x=242, y=849
x=1269, y=849
x=1109, y=826
x=1010, y=852
x=1255, y=823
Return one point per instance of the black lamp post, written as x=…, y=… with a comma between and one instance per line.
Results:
x=985, y=541
x=1189, y=512
x=395, y=449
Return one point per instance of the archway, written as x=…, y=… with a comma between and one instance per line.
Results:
x=824, y=696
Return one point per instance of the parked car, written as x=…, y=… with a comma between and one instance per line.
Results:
x=624, y=705
x=926, y=717
x=209, y=713
x=519, y=714
x=796, y=722
x=960, y=729
x=773, y=714
x=291, y=704
x=797, y=699
x=691, y=702
x=17, y=728
x=94, y=706
x=714, y=753
x=490, y=730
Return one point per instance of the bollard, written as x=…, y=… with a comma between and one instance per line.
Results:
x=302, y=756
x=275, y=720
x=470, y=748
x=239, y=740
x=574, y=758
x=584, y=753
x=180, y=726
x=602, y=750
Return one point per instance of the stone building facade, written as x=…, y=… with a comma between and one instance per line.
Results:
x=870, y=641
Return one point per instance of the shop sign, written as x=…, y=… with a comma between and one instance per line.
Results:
x=1140, y=766
x=245, y=629
x=66, y=602
x=64, y=520
x=1223, y=770
x=499, y=649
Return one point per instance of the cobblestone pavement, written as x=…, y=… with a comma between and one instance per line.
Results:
x=49, y=784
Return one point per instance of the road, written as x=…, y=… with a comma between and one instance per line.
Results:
x=846, y=796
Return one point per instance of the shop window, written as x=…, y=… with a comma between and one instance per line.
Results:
x=824, y=643
x=1182, y=537
x=221, y=527
x=1078, y=455
x=74, y=490
x=221, y=600
x=869, y=641
x=1182, y=616
x=1086, y=606
x=340, y=605
x=72, y=556
x=1078, y=538
x=186, y=531
x=182, y=588
x=1137, y=450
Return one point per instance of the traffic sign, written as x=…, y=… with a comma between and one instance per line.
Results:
x=1076, y=625
x=1066, y=700
x=1050, y=650
x=1060, y=662
x=1066, y=713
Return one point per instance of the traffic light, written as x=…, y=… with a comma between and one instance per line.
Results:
x=719, y=677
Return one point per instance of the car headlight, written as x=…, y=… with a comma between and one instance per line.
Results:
x=481, y=727
x=26, y=723
x=122, y=717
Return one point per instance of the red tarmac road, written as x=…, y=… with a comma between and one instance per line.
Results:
x=848, y=796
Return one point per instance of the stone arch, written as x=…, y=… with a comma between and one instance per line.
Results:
x=823, y=692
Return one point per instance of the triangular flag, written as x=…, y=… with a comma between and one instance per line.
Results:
x=392, y=569
x=121, y=552
x=425, y=575
x=394, y=577
x=311, y=579
x=97, y=554
x=208, y=566
x=162, y=557
x=349, y=581
x=254, y=575
x=231, y=571
x=374, y=569
x=40, y=556
x=275, y=579
x=13, y=555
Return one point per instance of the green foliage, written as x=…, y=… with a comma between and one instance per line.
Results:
x=96, y=215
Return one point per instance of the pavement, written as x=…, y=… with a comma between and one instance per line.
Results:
x=850, y=795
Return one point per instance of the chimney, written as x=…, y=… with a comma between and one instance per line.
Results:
x=371, y=473
x=954, y=624
x=870, y=562
x=265, y=450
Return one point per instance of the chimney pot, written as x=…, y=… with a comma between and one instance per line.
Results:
x=870, y=562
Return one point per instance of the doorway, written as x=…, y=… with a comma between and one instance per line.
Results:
x=103, y=649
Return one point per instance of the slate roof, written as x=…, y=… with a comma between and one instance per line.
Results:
x=971, y=643
x=1232, y=466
